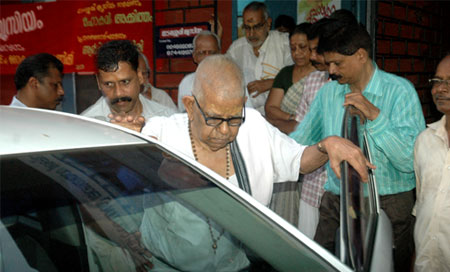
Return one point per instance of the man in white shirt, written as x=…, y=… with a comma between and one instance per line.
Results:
x=38, y=81
x=261, y=53
x=148, y=90
x=432, y=168
x=205, y=43
x=120, y=82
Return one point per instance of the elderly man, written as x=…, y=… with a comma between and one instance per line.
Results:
x=238, y=144
x=261, y=53
x=157, y=95
x=215, y=122
x=392, y=116
x=38, y=82
x=432, y=166
x=120, y=82
x=205, y=43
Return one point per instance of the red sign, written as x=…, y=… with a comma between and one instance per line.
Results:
x=72, y=31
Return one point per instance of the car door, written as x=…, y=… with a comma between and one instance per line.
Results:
x=365, y=230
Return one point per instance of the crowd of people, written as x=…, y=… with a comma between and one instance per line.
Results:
x=273, y=106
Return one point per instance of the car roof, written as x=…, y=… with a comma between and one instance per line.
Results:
x=25, y=130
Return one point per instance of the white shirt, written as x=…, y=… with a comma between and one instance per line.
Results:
x=17, y=103
x=187, y=85
x=184, y=89
x=100, y=110
x=161, y=97
x=432, y=209
x=274, y=54
x=270, y=156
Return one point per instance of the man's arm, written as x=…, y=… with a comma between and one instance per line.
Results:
x=106, y=227
x=337, y=150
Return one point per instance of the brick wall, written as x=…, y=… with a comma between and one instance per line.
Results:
x=169, y=72
x=411, y=38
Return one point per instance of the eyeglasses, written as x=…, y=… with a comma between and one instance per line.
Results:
x=217, y=121
x=436, y=82
x=205, y=52
x=256, y=27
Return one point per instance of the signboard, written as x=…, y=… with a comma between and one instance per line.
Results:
x=72, y=31
x=175, y=41
x=313, y=10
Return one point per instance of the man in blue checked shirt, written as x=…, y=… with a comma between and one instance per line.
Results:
x=393, y=118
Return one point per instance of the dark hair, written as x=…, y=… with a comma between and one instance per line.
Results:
x=344, y=38
x=341, y=15
x=345, y=16
x=35, y=66
x=286, y=21
x=316, y=29
x=257, y=6
x=111, y=53
x=302, y=28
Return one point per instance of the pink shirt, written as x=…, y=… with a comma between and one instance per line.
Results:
x=312, y=185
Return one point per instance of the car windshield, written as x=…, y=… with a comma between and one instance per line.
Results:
x=122, y=208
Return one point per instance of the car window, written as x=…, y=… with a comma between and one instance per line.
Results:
x=121, y=207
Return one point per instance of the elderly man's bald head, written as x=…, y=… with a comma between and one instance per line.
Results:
x=220, y=76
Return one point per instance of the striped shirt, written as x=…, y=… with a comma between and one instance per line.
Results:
x=391, y=135
x=312, y=184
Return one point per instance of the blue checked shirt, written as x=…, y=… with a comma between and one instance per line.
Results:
x=391, y=135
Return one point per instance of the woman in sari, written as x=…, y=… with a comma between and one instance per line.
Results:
x=288, y=85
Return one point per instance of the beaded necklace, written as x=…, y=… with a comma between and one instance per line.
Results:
x=215, y=240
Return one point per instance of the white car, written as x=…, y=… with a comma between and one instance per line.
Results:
x=78, y=194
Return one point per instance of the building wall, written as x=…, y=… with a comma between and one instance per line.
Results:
x=411, y=38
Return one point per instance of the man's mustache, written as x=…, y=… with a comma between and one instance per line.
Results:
x=315, y=63
x=335, y=77
x=441, y=97
x=121, y=99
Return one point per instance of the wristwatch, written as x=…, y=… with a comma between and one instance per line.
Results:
x=321, y=148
